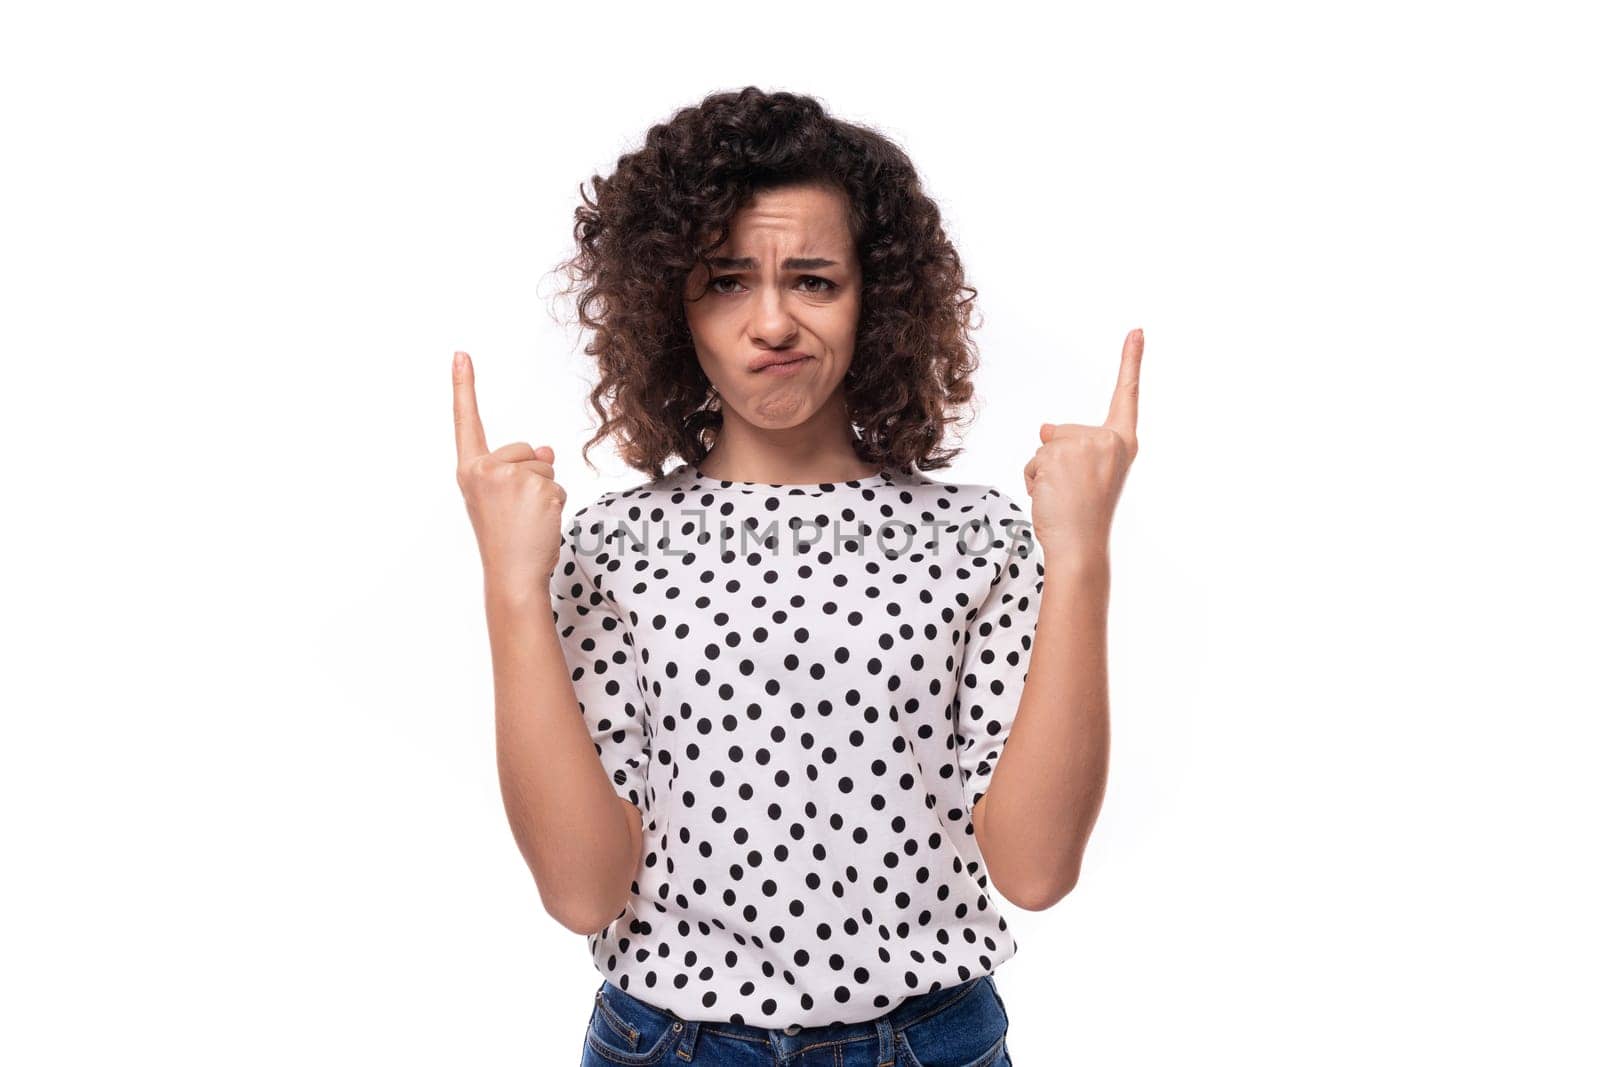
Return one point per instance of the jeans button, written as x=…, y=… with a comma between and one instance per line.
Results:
x=792, y=1029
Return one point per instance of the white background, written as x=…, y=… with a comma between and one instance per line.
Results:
x=250, y=806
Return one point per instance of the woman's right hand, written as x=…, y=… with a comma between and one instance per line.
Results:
x=512, y=498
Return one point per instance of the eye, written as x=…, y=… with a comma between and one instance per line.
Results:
x=827, y=286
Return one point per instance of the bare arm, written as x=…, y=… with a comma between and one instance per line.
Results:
x=1033, y=823
x=581, y=839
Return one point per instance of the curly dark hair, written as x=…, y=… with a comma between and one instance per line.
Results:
x=671, y=202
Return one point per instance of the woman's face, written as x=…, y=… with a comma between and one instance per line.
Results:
x=786, y=286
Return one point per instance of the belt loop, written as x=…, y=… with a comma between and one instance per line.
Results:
x=885, y=1042
x=690, y=1030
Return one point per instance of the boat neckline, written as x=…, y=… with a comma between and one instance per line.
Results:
x=880, y=478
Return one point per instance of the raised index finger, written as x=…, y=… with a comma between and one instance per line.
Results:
x=469, y=430
x=1124, y=415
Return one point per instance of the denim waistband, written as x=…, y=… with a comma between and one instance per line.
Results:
x=788, y=1042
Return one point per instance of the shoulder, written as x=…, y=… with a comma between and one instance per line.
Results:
x=619, y=502
x=1002, y=507
x=990, y=514
x=1011, y=520
x=980, y=500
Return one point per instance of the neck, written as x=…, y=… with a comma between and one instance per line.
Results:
x=819, y=450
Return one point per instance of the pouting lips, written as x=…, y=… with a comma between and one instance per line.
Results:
x=784, y=365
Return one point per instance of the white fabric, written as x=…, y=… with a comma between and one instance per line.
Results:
x=805, y=717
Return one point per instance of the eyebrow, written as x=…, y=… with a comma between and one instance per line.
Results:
x=749, y=263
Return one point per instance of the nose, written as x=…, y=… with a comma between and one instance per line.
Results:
x=774, y=322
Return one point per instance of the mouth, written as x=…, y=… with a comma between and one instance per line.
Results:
x=778, y=364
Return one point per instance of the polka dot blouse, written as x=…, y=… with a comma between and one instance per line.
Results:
x=804, y=689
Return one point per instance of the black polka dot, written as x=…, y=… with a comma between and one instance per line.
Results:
x=805, y=690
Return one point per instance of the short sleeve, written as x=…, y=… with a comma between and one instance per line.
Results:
x=600, y=661
x=998, y=647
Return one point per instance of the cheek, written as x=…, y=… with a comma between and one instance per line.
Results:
x=842, y=330
x=837, y=320
x=706, y=334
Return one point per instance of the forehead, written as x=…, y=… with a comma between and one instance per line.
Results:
x=813, y=215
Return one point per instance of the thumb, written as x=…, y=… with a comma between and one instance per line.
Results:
x=1046, y=431
x=545, y=453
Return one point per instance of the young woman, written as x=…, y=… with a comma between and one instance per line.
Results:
x=751, y=710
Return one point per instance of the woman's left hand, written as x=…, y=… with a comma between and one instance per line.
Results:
x=1076, y=475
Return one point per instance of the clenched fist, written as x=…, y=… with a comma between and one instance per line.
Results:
x=512, y=498
x=1076, y=475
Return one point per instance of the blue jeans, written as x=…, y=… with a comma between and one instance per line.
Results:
x=962, y=1026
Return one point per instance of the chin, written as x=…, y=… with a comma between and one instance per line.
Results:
x=782, y=411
